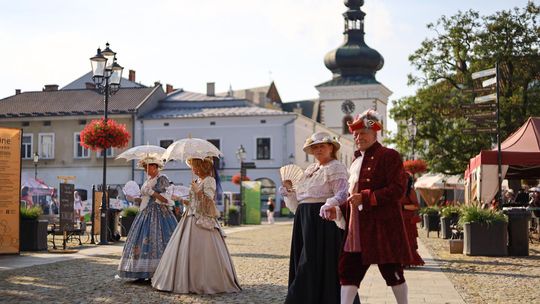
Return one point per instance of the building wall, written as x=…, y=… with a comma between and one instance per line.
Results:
x=364, y=97
x=87, y=171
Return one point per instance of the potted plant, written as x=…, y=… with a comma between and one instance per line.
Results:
x=449, y=218
x=431, y=219
x=33, y=236
x=484, y=232
x=233, y=216
x=127, y=218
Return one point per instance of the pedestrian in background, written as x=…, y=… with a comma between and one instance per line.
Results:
x=270, y=210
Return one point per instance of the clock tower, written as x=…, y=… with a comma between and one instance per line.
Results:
x=353, y=87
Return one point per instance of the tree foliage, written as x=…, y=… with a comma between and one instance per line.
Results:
x=463, y=44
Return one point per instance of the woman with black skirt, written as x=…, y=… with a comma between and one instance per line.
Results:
x=316, y=243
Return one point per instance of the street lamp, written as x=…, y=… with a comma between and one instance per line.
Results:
x=107, y=74
x=241, y=155
x=411, y=128
x=36, y=160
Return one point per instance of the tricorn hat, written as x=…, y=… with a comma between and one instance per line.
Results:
x=369, y=119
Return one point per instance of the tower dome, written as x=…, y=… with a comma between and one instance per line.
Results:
x=354, y=60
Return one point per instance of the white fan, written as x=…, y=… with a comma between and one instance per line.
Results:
x=180, y=191
x=291, y=172
x=132, y=189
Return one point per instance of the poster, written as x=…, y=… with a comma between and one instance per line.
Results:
x=10, y=189
x=96, y=223
x=66, y=207
x=252, y=201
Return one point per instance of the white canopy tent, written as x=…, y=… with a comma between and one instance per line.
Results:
x=432, y=186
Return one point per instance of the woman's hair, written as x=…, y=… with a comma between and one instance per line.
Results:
x=205, y=165
x=334, y=152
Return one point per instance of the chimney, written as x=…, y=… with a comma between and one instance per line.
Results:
x=50, y=88
x=211, y=89
x=90, y=85
x=131, y=75
x=17, y=91
x=169, y=88
x=157, y=83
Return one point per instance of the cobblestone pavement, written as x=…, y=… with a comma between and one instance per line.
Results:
x=260, y=255
x=489, y=279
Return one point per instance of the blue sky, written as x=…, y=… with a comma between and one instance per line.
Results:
x=186, y=43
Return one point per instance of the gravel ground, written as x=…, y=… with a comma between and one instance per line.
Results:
x=260, y=256
x=489, y=279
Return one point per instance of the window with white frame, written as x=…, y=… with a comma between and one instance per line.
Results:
x=26, y=149
x=110, y=153
x=165, y=143
x=263, y=148
x=78, y=150
x=46, y=145
x=217, y=143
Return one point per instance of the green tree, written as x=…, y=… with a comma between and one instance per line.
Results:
x=463, y=44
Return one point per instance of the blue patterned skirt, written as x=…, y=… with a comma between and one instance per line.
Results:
x=146, y=241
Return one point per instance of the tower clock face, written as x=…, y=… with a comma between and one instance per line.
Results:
x=347, y=107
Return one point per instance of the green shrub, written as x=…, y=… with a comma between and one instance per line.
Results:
x=448, y=211
x=478, y=215
x=130, y=211
x=429, y=210
x=31, y=213
x=233, y=210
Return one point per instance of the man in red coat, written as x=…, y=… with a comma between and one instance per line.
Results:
x=375, y=231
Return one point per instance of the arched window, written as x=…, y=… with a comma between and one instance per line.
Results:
x=346, y=118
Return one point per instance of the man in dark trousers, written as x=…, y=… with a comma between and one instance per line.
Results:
x=375, y=231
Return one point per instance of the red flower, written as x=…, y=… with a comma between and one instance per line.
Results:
x=98, y=135
x=415, y=166
x=236, y=179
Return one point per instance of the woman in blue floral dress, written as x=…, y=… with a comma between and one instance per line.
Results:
x=151, y=229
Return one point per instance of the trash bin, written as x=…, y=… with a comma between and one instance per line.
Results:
x=518, y=231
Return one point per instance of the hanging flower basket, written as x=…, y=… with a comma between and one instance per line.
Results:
x=236, y=179
x=415, y=166
x=98, y=135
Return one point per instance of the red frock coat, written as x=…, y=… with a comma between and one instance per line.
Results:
x=382, y=233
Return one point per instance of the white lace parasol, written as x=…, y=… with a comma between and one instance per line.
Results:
x=187, y=148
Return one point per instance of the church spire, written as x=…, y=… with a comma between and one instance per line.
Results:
x=354, y=60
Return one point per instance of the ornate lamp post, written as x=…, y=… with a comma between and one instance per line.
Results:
x=107, y=74
x=241, y=155
x=411, y=128
x=36, y=160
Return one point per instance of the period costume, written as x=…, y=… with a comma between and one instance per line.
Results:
x=196, y=259
x=316, y=243
x=150, y=231
x=411, y=218
x=375, y=231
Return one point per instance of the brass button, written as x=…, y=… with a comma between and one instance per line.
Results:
x=368, y=180
x=372, y=157
x=369, y=169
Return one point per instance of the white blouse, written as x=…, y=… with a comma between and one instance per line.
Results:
x=321, y=183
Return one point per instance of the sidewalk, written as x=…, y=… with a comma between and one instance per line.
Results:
x=262, y=269
x=27, y=259
x=427, y=284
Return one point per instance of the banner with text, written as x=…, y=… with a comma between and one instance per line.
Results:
x=10, y=189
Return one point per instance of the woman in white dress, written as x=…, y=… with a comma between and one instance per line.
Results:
x=196, y=259
x=316, y=242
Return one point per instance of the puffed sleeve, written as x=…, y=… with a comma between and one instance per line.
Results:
x=161, y=184
x=209, y=187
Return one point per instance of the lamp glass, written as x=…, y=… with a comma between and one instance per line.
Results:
x=116, y=75
x=98, y=65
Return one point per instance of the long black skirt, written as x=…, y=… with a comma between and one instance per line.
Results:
x=313, y=270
